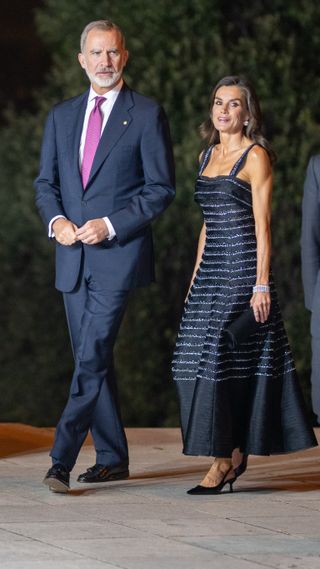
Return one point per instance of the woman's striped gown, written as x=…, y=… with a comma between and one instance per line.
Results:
x=248, y=398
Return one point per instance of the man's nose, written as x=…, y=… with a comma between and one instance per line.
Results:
x=106, y=59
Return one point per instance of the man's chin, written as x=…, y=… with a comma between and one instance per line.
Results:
x=106, y=82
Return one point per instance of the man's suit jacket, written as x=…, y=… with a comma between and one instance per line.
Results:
x=131, y=182
x=310, y=242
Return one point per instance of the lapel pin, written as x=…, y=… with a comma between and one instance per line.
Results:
x=125, y=122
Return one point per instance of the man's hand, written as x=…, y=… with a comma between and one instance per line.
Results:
x=64, y=231
x=92, y=232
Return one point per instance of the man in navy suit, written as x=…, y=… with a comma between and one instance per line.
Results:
x=101, y=222
x=310, y=256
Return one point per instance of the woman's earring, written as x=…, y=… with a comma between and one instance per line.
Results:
x=246, y=123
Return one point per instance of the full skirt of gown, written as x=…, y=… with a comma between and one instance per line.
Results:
x=248, y=398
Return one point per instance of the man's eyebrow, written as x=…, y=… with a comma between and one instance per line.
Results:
x=100, y=49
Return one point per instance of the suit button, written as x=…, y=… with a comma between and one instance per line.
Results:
x=84, y=202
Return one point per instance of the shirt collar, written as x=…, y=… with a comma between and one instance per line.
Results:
x=110, y=95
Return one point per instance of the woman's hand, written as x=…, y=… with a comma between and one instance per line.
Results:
x=261, y=302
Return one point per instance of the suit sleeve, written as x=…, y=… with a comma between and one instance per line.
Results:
x=47, y=184
x=158, y=190
x=310, y=234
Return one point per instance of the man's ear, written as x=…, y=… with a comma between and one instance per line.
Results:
x=81, y=60
x=126, y=57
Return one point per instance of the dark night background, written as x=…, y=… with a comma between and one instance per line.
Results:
x=25, y=59
x=190, y=45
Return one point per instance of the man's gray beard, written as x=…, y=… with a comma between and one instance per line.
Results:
x=107, y=81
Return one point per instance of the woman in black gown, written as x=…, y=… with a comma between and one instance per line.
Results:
x=235, y=402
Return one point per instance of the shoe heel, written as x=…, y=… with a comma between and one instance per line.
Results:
x=231, y=482
x=242, y=467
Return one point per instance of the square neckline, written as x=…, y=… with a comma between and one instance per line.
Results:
x=234, y=168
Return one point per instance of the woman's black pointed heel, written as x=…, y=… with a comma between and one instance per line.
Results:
x=242, y=467
x=202, y=490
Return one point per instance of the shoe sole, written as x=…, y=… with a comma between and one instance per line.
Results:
x=56, y=485
x=116, y=476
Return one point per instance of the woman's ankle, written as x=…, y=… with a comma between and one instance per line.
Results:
x=222, y=463
x=237, y=457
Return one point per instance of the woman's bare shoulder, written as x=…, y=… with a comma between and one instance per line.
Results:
x=258, y=157
x=258, y=154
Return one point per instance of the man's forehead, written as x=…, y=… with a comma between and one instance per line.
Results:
x=97, y=35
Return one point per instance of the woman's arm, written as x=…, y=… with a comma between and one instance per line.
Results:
x=260, y=173
x=201, y=244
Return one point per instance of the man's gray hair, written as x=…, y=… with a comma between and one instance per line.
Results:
x=105, y=25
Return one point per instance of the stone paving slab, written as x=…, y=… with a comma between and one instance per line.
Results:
x=262, y=544
x=194, y=524
x=285, y=562
x=149, y=522
x=153, y=552
x=34, y=549
x=302, y=525
x=56, y=532
x=58, y=564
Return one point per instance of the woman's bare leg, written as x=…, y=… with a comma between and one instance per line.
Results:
x=217, y=472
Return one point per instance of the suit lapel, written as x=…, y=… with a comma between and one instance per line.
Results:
x=74, y=129
x=116, y=126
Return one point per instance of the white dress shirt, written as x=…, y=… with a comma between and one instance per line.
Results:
x=106, y=109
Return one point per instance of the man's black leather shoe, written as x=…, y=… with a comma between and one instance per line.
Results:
x=57, y=478
x=104, y=473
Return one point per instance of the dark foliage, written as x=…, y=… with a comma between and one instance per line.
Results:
x=178, y=52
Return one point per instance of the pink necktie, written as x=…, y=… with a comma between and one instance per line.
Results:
x=92, y=139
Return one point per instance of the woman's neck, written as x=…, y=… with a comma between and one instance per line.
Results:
x=232, y=143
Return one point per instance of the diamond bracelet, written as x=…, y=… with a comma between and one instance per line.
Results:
x=261, y=288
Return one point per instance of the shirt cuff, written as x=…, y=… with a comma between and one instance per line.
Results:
x=110, y=227
x=50, y=232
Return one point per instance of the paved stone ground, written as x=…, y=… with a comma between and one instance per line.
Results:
x=149, y=522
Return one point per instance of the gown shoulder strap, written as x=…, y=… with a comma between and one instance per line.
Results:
x=240, y=162
x=205, y=158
